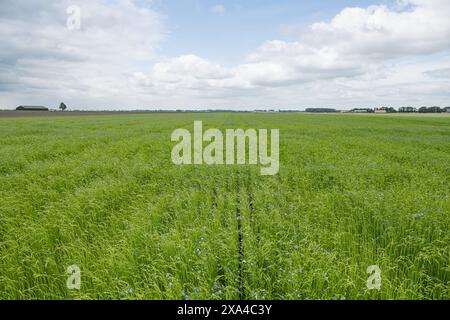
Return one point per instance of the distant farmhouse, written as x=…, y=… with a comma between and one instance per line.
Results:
x=385, y=110
x=362, y=110
x=265, y=111
x=31, y=108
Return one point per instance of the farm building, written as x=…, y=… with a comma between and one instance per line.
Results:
x=31, y=108
x=361, y=110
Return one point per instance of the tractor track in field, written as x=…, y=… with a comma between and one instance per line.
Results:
x=243, y=187
x=251, y=203
x=240, y=235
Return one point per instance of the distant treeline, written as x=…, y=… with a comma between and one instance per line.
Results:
x=383, y=110
x=321, y=110
x=422, y=110
x=434, y=109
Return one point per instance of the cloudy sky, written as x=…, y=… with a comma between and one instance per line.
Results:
x=286, y=54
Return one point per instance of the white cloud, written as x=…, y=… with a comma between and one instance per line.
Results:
x=357, y=56
x=379, y=31
x=443, y=73
x=376, y=55
x=41, y=57
x=218, y=8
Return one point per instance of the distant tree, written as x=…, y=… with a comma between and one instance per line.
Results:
x=391, y=110
x=62, y=106
x=363, y=110
x=435, y=110
x=321, y=110
x=411, y=109
x=407, y=109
